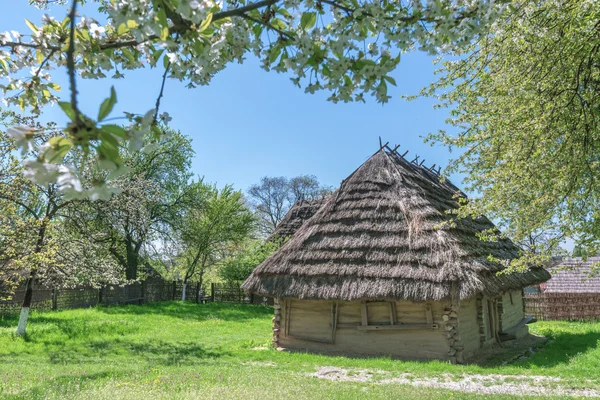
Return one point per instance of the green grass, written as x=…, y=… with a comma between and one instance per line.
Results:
x=175, y=350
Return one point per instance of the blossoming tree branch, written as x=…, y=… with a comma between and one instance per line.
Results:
x=345, y=47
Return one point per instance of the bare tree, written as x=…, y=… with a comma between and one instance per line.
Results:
x=273, y=197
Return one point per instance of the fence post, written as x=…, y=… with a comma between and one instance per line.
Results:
x=174, y=288
x=143, y=298
x=54, y=299
x=212, y=292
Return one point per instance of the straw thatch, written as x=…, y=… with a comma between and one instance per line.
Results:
x=300, y=212
x=378, y=237
x=574, y=275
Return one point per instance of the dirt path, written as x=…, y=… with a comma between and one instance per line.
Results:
x=470, y=383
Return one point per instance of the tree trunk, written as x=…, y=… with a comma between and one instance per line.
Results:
x=22, y=326
x=132, y=260
x=183, y=291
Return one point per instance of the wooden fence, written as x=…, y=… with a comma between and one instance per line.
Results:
x=232, y=293
x=563, y=306
x=148, y=291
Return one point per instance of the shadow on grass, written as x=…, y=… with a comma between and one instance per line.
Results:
x=558, y=347
x=562, y=347
x=192, y=311
x=152, y=352
x=10, y=320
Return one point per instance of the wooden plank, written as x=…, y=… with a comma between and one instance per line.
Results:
x=287, y=316
x=334, y=311
x=378, y=313
x=347, y=325
x=518, y=326
x=392, y=312
x=396, y=327
x=428, y=314
x=311, y=339
x=363, y=314
x=310, y=319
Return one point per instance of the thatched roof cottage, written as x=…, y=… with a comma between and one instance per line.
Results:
x=574, y=275
x=300, y=212
x=375, y=272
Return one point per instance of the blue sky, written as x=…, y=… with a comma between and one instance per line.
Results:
x=251, y=123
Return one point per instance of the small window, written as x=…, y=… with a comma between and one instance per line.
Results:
x=511, y=299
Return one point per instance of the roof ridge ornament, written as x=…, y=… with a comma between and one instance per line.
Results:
x=414, y=161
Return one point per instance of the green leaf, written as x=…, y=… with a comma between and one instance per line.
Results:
x=122, y=29
x=128, y=54
x=115, y=130
x=390, y=80
x=131, y=24
x=67, y=108
x=108, y=150
x=60, y=146
x=31, y=26
x=162, y=18
x=156, y=56
x=65, y=23
x=164, y=33
x=108, y=104
x=85, y=34
x=39, y=56
x=308, y=20
x=110, y=140
x=279, y=24
x=54, y=86
x=274, y=52
x=4, y=64
x=206, y=23
x=284, y=12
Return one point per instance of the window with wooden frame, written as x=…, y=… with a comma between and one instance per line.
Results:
x=383, y=315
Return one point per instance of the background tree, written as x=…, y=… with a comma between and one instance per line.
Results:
x=238, y=266
x=345, y=47
x=208, y=231
x=36, y=247
x=150, y=200
x=273, y=197
x=525, y=105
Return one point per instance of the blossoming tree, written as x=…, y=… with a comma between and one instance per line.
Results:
x=34, y=244
x=345, y=47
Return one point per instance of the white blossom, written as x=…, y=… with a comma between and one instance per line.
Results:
x=23, y=136
x=96, y=31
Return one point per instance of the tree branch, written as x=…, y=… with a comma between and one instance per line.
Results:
x=162, y=89
x=269, y=26
x=71, y=63
x=20, y=203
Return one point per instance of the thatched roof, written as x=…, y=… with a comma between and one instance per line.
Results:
x=574, y=275
x=300, y=212
x=378, y=237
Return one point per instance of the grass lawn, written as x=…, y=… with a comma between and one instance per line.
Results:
x=174, y=350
